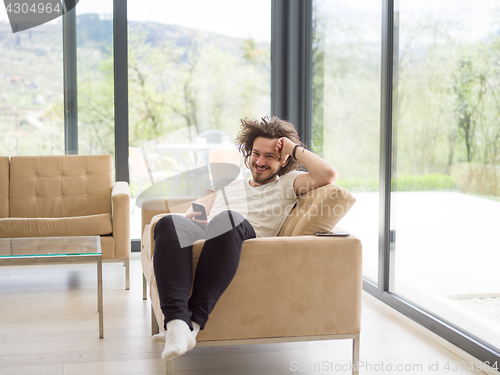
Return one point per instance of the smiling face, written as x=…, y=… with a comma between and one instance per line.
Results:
x=265, y=164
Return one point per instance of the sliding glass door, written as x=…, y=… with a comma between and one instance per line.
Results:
x=446, y=163
x=431, y=131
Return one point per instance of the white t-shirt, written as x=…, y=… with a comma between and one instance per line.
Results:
x=266, y=206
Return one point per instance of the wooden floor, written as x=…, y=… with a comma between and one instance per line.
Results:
x=49, y=325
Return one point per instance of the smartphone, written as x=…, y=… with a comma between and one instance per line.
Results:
x=332, y=234
x=198, y=207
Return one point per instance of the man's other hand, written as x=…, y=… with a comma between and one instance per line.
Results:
x=192, y=215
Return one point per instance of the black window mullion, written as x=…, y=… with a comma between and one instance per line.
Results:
x=300, y=68
x=386, y=107
x=291, y=64
x=120, y=60
x=70, y=80
x=279, y=52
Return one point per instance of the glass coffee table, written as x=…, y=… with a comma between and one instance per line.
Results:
x=51, y=250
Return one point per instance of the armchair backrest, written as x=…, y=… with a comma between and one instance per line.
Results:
x=317, y=211
x=60, y=186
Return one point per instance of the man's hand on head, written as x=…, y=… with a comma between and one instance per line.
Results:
x=284, y=147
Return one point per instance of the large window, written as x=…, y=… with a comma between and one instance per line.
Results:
x=346, y=115
x=31, y=89
x=195, y=69
x=446, y=189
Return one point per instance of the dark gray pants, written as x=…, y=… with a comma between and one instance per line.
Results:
x=217, y=265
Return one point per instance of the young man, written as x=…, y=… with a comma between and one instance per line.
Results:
x=239, y=211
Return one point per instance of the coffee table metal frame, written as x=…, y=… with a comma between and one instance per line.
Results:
x=62, y=258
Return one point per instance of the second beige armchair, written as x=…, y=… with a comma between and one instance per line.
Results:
x=67, y=195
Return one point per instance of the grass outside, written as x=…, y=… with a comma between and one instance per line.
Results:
x=429, y=182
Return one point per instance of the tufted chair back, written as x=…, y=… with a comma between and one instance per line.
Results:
x=60, y=186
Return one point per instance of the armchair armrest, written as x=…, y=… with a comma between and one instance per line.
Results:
x=150, y=208
x=120, y=214
x=147, y=236
x=155, y=206
x=306, y=285
x=340, y=258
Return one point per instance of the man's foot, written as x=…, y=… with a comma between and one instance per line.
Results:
x=160, y=337
x=178, y=339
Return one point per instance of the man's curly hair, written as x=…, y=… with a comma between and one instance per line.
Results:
x=267, y=128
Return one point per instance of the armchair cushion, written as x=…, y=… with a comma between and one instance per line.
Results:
x=318, y=211
x=91, y=225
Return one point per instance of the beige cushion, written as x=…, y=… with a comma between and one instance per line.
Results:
x=318, y=211
x=60, y=186
x=56, y=227
x=4, y=186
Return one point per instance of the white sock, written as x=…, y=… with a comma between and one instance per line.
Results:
x=160, y=337
x=178, y=339
x=196, y=329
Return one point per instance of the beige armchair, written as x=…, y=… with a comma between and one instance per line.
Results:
x=67, y=195
x=294, y=287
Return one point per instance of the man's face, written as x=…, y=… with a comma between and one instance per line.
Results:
x=265, y=164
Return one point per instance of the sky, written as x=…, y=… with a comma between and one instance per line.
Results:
x=252, y=18
x=242, y=19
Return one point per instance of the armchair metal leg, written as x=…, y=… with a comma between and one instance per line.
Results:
x=154, y=325
x=355, y=355
x=144, y=287
x=127, y=273
x=170, y=367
